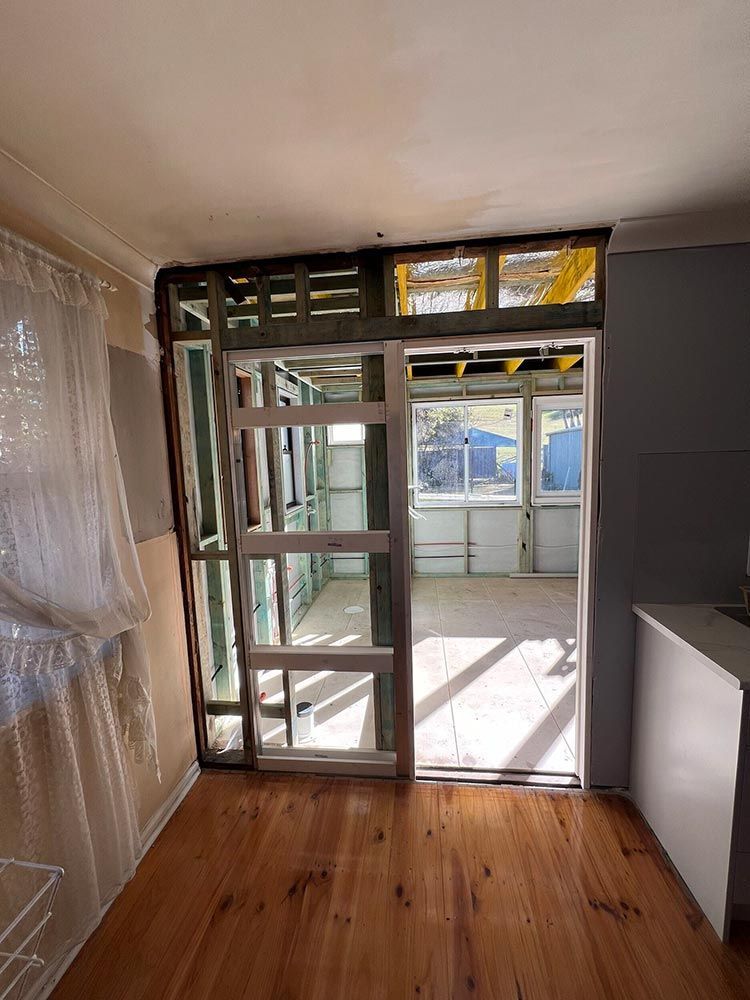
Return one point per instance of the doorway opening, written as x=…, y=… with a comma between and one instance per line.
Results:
x=498, y=451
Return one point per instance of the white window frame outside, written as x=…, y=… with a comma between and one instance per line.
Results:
x=359, y=443
x=290, y=398
x=540, y=497
x=467, y=502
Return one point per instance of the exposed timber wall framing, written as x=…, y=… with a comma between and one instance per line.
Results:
x=375, y=302
x=388, y=663
x=169, y=319
x=352, y=330
x=526, y=524
x=398, y=519
x=278, y=524
x=217, y=317
x=336, y=300
x=323, y=316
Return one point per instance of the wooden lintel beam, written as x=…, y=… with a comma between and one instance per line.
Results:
x=351, y=328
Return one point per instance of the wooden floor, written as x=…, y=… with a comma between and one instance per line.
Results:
x=304, y=888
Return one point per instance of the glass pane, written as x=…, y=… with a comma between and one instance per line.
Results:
x=335, y=710
x=346, y=434
x=440, y=438
x=493, y=452
x=328, y=604
x=560, y=458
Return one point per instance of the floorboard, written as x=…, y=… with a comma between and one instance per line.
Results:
x=273, y=887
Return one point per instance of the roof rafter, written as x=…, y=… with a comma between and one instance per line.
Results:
x=576, y=270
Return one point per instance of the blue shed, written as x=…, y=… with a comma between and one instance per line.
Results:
x=561, y=461
x=484, y=462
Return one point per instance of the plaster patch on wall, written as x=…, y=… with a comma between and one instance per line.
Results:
x=138, y=417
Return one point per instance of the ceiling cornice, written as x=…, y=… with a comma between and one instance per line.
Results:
x=26, y=191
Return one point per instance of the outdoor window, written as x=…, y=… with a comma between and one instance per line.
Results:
x=290, y=458
x=558, y=438
x=346, y=434
x=467, y=453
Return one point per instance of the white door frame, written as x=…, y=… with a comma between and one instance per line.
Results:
x=592, y=341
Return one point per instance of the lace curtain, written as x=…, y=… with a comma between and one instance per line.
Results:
x=74, y=675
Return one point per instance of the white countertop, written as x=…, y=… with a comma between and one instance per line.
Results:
x=717, y=640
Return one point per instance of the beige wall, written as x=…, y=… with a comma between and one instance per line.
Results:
x=165, y=638
x=131, y=327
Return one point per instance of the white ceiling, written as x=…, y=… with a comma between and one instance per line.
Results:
x=198, y=131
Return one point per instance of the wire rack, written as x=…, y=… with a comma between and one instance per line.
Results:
x=33, y=887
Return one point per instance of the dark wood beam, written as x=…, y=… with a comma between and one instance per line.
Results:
x=372, y=291
x=217, y=314
x=165, y=320
x=302, y=292
x=358, y=329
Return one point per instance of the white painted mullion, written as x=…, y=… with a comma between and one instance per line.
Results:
x=347, y=659
x=260, y=544
x=398, y=519
x=308, y=415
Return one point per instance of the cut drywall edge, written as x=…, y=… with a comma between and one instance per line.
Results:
x=672, y=232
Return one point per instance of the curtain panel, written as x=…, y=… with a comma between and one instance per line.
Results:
x=74, y=674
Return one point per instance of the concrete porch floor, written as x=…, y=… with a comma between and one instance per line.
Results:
x=494, y=672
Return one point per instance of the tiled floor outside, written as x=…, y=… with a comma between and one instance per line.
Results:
x=343, y=702
x=494, y=672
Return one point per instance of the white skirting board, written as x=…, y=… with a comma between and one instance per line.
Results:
x=150, y=832
x=161, y=817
